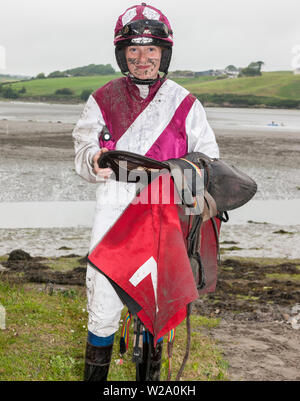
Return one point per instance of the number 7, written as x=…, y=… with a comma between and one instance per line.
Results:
x=149, y=267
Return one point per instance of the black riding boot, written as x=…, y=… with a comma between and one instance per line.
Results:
x=97, y=361
x=154, y=363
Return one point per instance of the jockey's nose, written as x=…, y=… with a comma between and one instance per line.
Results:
x=142, y=57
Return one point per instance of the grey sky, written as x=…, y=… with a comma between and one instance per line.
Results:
x=43, y=36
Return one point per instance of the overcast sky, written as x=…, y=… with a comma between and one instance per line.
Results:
x=48, y=35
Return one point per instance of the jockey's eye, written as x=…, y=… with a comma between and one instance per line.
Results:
x=133, y=49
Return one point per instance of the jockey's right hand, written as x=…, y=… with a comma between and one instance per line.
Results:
x=101, y=172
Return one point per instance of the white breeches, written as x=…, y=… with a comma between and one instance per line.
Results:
x=103, y=304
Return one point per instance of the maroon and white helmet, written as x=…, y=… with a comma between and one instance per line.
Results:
x=143, y=21
x=143, y=25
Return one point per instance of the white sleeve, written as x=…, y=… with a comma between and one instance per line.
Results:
x=201, y=137
x=86, y=139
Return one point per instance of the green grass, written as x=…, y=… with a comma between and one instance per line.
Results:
x=264, y=261
x=46, y=87
x=273, y=89
x=6, y=80
x=188, y=81
x=284, y=277
x=45, y=340
x=64, y=263
x=284, y=85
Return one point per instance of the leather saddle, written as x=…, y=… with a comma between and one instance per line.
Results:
x=207, y=188
x=196, y=175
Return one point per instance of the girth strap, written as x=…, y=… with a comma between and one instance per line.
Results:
x=181, y=184
x=210, y=207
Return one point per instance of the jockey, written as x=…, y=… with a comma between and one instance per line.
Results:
x=145, y=113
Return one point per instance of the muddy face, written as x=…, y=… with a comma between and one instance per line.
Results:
x=143, y=61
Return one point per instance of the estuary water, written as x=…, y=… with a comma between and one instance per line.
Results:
x=48, y=201
x=224, y=118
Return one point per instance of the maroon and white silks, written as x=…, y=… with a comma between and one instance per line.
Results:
x=167, y=123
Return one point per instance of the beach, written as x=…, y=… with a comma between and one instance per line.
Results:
x=37, y=171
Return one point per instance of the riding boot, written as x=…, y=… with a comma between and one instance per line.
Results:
x=97, y=361
x=154, y=363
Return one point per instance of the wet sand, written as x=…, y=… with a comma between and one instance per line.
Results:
x=29, y=140
x=52, y=141
x=37, y=164
x=45, y=151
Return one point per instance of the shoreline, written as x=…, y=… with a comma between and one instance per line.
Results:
x=37, y=165
x=78, y=102
x=247, y=240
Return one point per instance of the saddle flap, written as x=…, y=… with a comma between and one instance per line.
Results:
x=229, y=187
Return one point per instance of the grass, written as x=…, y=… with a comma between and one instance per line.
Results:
x=272, y=89
x=45, y=340
x=193, y=81
x=283, y=85
x=284, y=277
x=46, y=87
x=63, y=263
x=264, y=261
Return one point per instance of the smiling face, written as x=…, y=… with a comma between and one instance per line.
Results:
x=143, y=61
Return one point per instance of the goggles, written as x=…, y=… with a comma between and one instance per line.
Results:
x=145, y=27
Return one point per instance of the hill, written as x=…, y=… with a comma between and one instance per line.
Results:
x=88, y=70
x=271, y=89
x=8, y=77
x=91, y=69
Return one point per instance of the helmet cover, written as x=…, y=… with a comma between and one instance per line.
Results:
x=155, y=22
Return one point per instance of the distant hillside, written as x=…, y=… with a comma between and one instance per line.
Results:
x=85, y=71
x=283, y=84
x=7, y=77
x=271, y=89
x=91, y=69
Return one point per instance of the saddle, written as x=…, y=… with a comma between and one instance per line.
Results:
x=194, y=175
x=207, y=187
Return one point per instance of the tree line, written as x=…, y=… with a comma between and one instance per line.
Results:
x=89, y=70
x=253, y=69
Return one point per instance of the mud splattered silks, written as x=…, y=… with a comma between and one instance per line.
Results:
x=168, y=123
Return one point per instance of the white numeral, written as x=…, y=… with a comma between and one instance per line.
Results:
x=149, y=267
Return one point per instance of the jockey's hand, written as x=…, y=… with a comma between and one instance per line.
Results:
x=101, y=172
